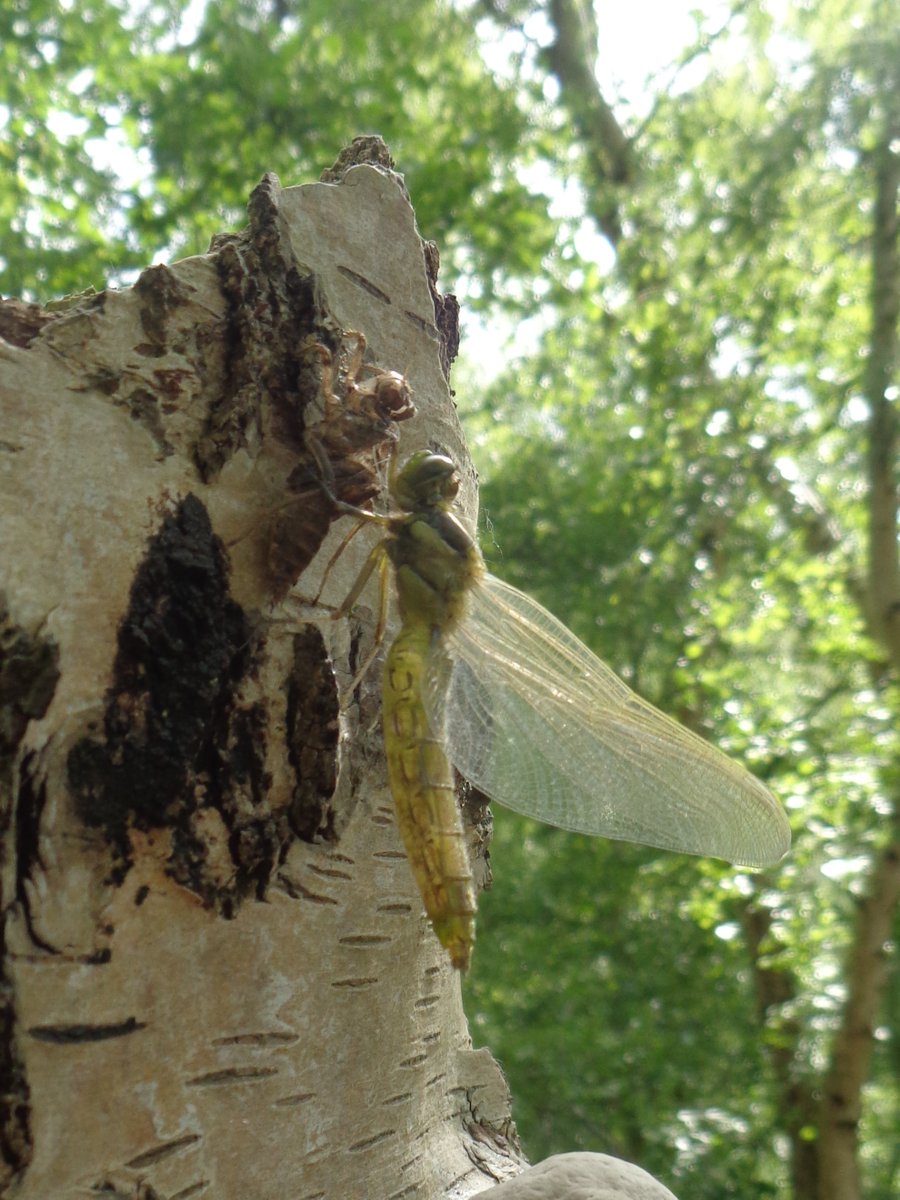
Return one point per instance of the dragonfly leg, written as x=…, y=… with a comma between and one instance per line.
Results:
x=378, y=558
x=373, y=561
x=342, y=546
x=325, y=480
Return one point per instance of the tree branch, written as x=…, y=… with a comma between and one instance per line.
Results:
x=866, y=971
x=607, y=147
x=884, y=569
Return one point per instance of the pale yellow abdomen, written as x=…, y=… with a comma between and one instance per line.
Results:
x=421, y=782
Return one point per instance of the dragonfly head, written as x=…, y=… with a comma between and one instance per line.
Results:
x=426, y=480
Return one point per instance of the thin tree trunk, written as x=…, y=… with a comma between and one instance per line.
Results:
x=866, y=968
x=794, y=1099
x=842, y=1089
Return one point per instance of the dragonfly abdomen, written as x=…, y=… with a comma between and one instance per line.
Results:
x=421, y=782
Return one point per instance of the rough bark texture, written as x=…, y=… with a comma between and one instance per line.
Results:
x=216, y=976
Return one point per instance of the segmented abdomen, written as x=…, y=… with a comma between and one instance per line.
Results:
x=422, y=785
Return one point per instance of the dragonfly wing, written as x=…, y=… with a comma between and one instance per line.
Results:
x=537, y=722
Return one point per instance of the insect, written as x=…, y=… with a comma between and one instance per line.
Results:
x=344, y=448
x=483, y=677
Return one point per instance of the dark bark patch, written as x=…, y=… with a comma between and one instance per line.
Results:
x=109, y=1189
x=178, y=737
x=29, y=671
x=231, y=1076
x=272, y=308
x=15, y=1097
x=312, y=737
x=143, y=405
x=70, y=1035
x=21, y=322
x=31, y=798
x=161, y=293
x=165, y=1150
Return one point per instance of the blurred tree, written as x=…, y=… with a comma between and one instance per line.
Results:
x=133, y=131
x=720, y=520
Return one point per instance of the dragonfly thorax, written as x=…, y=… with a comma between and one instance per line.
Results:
x=435, y=564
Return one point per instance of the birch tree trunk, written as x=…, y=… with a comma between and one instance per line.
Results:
x=217, y=977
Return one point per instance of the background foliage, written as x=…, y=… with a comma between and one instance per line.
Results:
x=703, y=376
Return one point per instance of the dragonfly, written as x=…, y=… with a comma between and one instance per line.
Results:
x=483, y=678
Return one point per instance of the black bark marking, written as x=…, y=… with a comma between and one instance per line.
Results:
x=165, y=1150
x=313, y=708
x=272, y=311
x=375, y=1140
x=16, y=1145
x=68, y=1035
x=329, y=872
x=143, y=405
x=29, y=671
x=29, y=807
x=232, y=1075
x=260, y=1040
x=177, y=647
x=161, y=293
x=297, y=891
x=420, y=323
x=108, y=1189
x=293, y=1101
x=193, y=1189
x=366, y=284
x=415, y=1061
x=413, y=1188
x=446, y=309
x=176, y=737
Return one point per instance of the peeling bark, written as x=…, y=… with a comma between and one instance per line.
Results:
x=216, y=975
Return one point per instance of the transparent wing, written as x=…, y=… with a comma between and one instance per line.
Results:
x=537, y=722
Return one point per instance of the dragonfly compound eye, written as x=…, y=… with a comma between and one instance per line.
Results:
x=425, y=480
